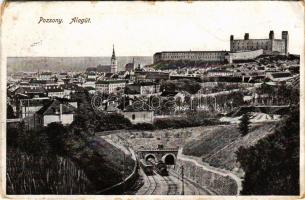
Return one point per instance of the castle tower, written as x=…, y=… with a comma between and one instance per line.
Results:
x=114, y=64
x=246, y=37
x=286, y=38
x=231, y=42
x=271, y=35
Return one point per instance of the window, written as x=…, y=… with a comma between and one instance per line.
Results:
x=133, y=116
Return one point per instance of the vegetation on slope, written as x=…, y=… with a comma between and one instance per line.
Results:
x=39, y=174
x=165, y=65
x=272, y=165
x=217, y=144
x=187, y=85
x=100, y=163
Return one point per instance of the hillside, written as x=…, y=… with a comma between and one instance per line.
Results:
x=217, y=144
x=163, y=65
x=99, y=163
x=44, y=175
x=15, y=64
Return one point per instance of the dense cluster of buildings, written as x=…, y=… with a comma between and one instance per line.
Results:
x=40, y=98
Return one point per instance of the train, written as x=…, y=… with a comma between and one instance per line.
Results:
x=148, y=168
x=160, y=167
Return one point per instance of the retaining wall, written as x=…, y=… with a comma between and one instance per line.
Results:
x=246, y=55
x=218, y=182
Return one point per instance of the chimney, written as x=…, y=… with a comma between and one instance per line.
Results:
x=232, y=37
x=271, y=35
x=246, y=36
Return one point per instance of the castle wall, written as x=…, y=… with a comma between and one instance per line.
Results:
x=244, y=55
x=209, y=56
x=250, y=45
x=270, y=45
x=279, y=46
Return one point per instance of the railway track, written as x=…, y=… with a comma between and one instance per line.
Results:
x=168, y=185
x=190, y=188
x=172, y=186
x=152, y=186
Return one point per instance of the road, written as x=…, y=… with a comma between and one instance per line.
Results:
x=167, y=185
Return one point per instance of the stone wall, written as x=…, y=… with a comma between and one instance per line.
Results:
x=219, y=183
x=246, y=55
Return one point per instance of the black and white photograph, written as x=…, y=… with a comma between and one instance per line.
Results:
x=152, y=98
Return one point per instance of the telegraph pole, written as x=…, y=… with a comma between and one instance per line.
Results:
x=182, y=179
x=123, y=173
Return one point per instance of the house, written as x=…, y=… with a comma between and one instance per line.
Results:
x=69, y=89
x=219, y=72
x=28, y=107
x=55, y=91
x=109, y=75
x=143, y=88
x=135, y=117
x=122, y=74
x=55, y=111
x=31, y=91
x=279, y=76
x=45, y=75
x=110, y=86
x=89, y=83
x=41, y=82
x=91, y=75
x=153, y=76
x=62, y=75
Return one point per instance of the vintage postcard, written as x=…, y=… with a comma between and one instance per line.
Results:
x=147, y=100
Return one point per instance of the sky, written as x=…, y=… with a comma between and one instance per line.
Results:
x=142, y=28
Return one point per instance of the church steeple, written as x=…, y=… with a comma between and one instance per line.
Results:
x=114, y=65
x=113, y=52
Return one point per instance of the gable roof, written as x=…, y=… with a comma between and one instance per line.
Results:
x=53, y=108
x=28, y=89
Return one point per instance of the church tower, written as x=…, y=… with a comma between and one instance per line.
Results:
x=114, y=64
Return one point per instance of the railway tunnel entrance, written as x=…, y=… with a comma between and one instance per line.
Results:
x=149, y=156
x=167, y=155
x=169, y=159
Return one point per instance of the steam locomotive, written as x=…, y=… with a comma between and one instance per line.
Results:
x=148, y=168
x=160, y=167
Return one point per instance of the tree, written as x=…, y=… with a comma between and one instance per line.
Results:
x=56, y=136
x=244, y=124
x=9, y=111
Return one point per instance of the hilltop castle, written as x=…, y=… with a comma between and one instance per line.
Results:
x=240, y=49
x=269, y=46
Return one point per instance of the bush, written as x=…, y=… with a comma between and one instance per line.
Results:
x=187, y=85
x=113, y=121
x=184, y=122
x=244, y=124
x=143, y=126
